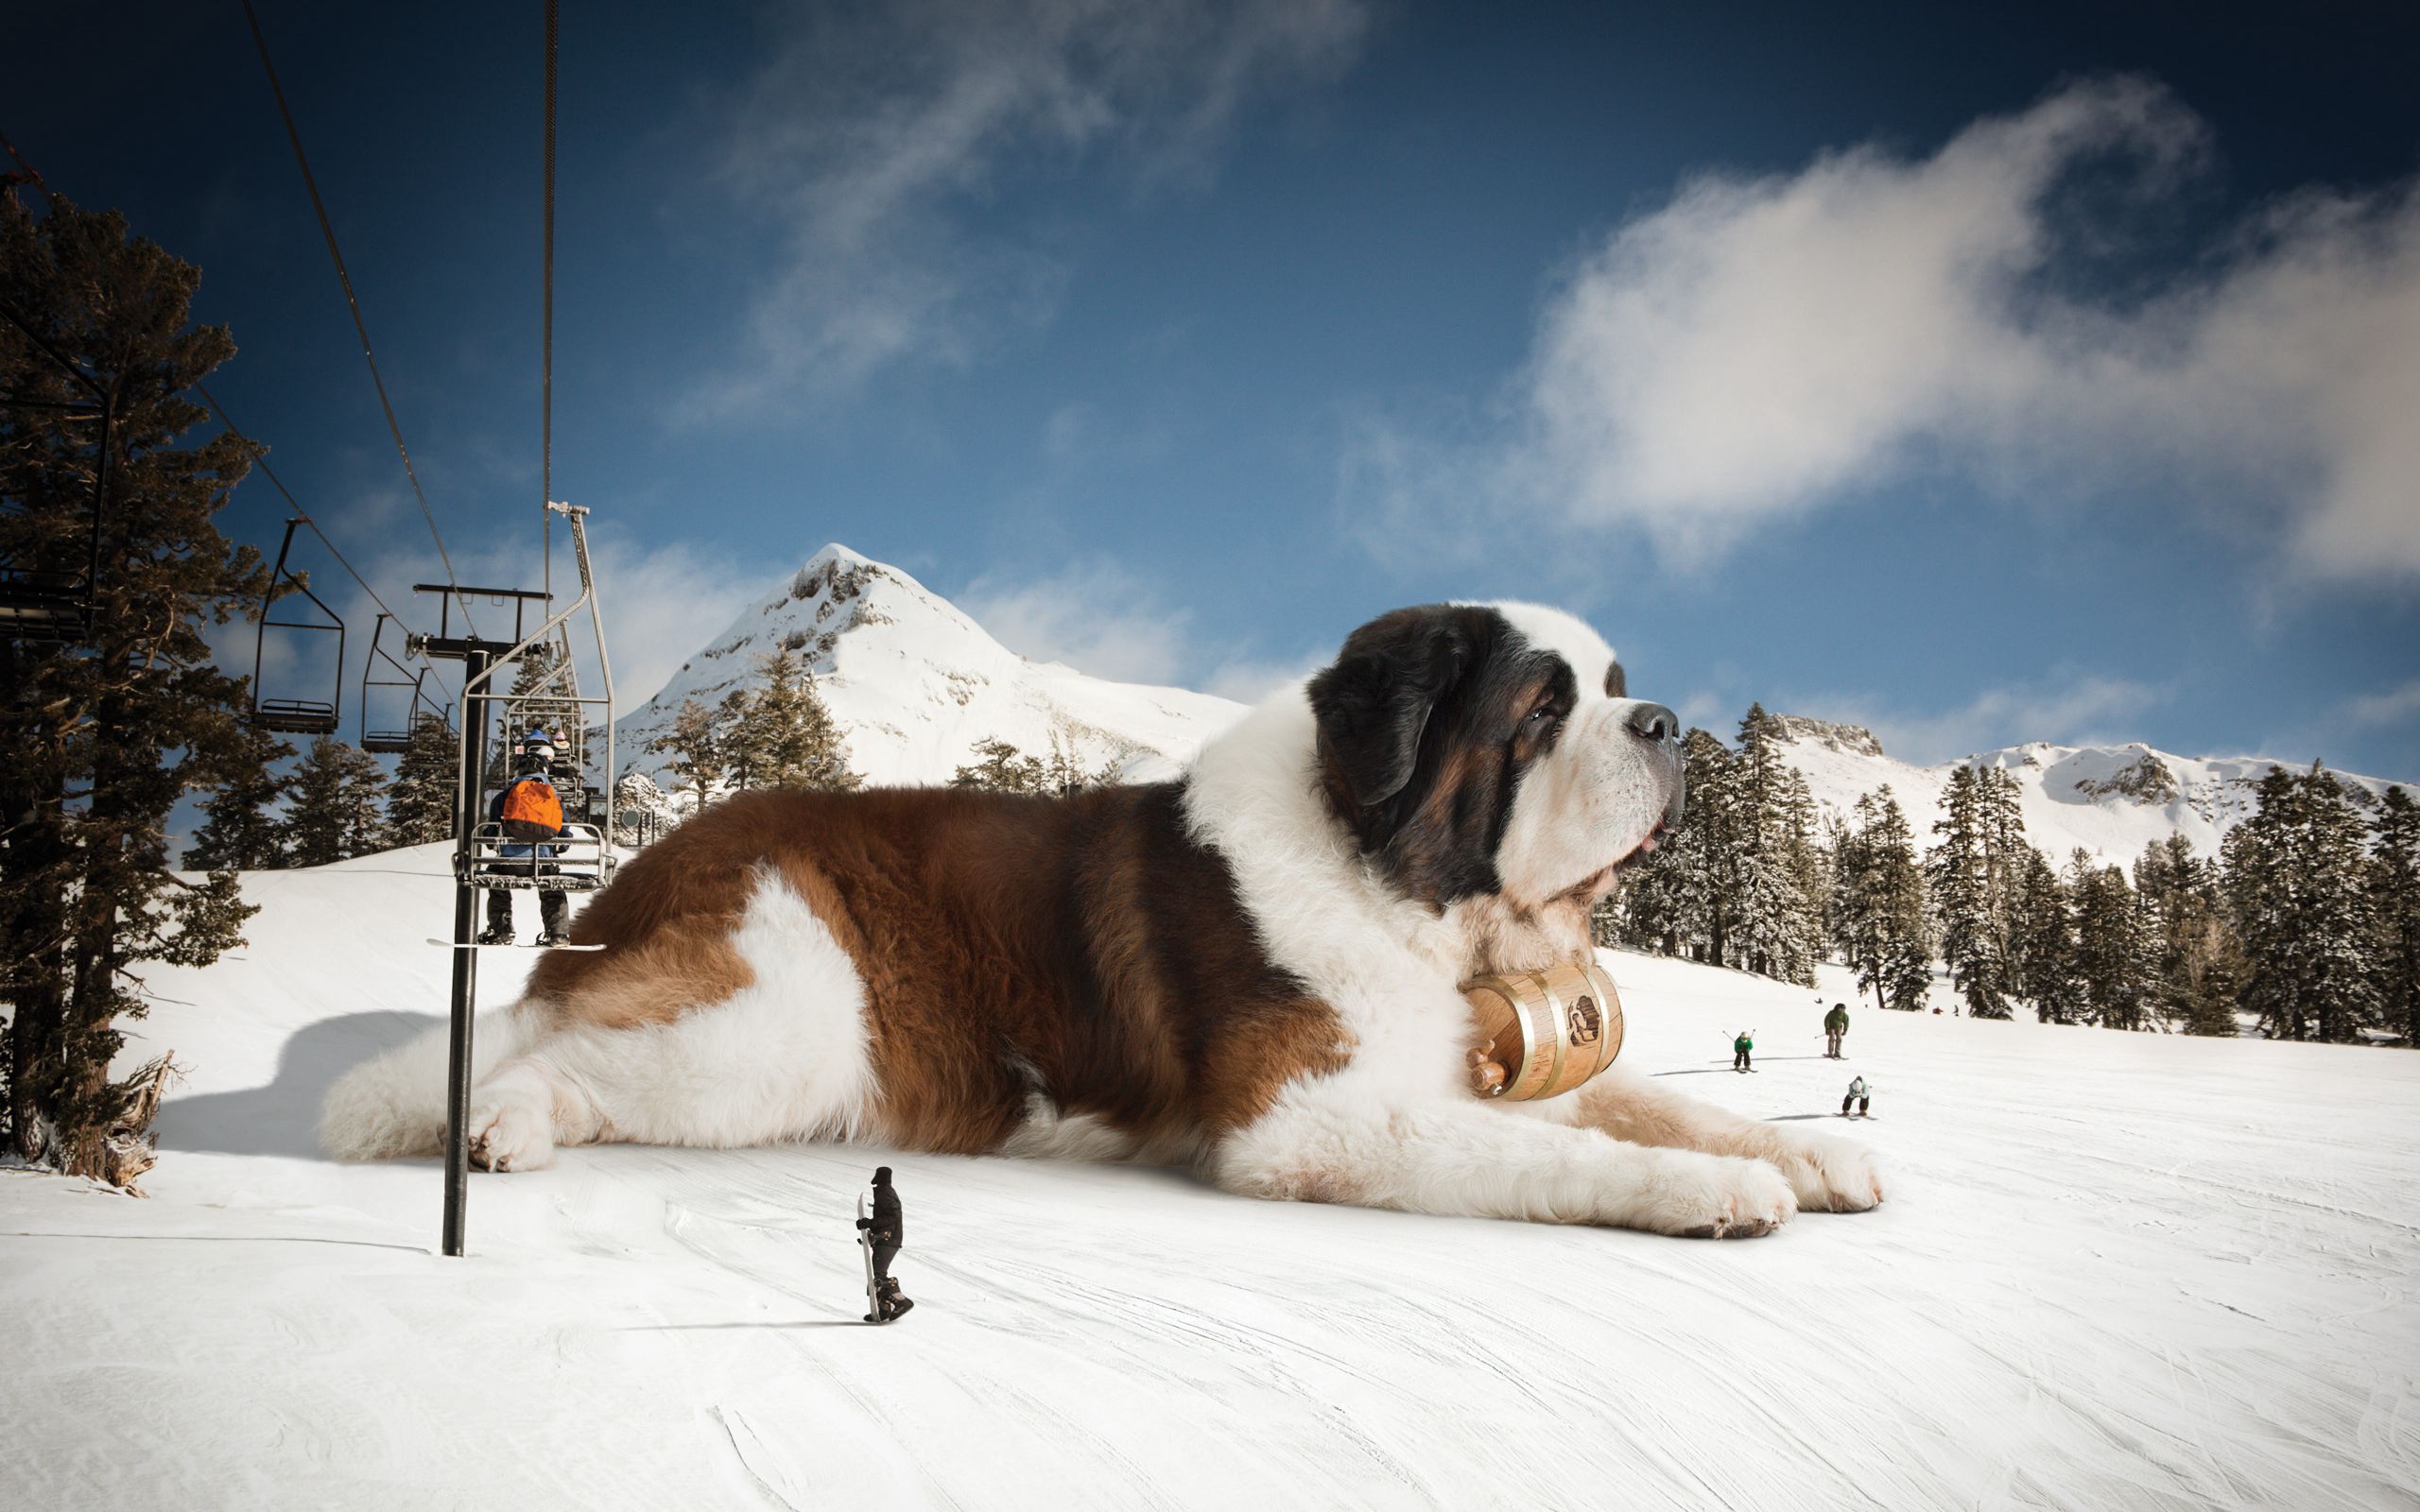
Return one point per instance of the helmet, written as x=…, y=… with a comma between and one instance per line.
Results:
x=882, y=1175
x=539, y=743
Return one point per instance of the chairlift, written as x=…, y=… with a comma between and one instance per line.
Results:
x=294, y=716
x=54, y=605
x=419, y=708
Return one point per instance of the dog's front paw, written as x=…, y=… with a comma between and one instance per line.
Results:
x=1720, y=1197
x=1830, y=1174
x=508, y=1136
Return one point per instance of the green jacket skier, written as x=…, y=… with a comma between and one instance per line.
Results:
x=1739, y=1049
x=1836, y=1028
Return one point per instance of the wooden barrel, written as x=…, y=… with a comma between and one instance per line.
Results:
x=1541, y=1033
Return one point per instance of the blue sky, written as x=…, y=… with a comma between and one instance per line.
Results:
x=1981, y=377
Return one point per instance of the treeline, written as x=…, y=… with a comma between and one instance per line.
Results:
x=2308, y=920
x=777, y=735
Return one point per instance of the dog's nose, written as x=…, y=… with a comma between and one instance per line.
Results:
x=1652, y=721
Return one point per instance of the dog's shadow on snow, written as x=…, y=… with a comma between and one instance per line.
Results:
x=283, y=1118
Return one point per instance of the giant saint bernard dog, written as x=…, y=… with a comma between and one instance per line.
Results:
x=1253, y=971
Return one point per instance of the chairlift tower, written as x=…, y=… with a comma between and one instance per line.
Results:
x=586, y=862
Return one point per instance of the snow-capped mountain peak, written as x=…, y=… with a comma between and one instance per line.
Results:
x=914, y=683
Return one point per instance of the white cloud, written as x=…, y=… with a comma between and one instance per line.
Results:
x=1759, y=347
x=2394, y=707
x=872, y=136
x=2085, y=711
x=1095, y=616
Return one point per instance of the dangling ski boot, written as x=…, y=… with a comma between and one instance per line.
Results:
x=496, y=934
x=552, y=937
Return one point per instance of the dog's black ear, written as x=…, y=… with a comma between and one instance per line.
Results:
x=1374, y=703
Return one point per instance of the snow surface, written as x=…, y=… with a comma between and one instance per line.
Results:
x=2116, y=1271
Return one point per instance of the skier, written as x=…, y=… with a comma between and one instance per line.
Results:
x=887, y=1232
x=1859, y=1093
x=529, y=810
x=1836, y=1028
x=1739, y=1049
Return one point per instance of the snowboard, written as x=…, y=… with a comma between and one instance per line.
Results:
x=865, y=1242
x=507, y=945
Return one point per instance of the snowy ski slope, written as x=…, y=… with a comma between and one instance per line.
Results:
x=2116, y=1272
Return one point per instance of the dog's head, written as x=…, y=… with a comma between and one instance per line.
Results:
x=1492, y=750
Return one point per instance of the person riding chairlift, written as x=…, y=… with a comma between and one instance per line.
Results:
x=530, y=812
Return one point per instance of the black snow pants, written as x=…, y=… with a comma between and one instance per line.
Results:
x=1854, y=1098
x=1739, y=1060
x=551, y=909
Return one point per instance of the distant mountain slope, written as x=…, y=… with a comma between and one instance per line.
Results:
x=915, y=683
x=2110, y=799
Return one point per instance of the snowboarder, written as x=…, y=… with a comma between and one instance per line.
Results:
x=1836, y=1028
x=529, y=810
x=1859, y=1093
x=1739, y=1049
x=886, y=1231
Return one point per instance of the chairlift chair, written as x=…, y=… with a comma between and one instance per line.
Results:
x=294, y=716
x=418, y=710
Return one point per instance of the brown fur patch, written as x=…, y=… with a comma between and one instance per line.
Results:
x=1085, y=948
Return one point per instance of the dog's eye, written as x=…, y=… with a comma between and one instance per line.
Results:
x=1542, y=714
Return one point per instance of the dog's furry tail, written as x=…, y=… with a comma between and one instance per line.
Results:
x=394, y=1103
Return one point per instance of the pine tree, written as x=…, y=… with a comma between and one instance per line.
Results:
x=2395, y=902
x=694, y=744
x=420, y=807
x=2194, y=960
x=335, y=810
x=2294, y=883
x=2042, y=946
x=1673, y=902
x=1000, y=767
x=1767, y=869
x=239, y=830
x=101, y=737
x=1879, y=905
x=797, y=742
x=1973, y=873
x=2109, y=946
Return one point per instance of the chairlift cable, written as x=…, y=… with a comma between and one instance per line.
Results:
x=320, y=207
x=546, y=358
x=301, y=513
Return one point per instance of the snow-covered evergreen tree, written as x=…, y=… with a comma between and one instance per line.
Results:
x=239, y=827
x=780, y=735
x=1878, y=914
x=336, y=807
x=1000, y=767
x=2042, y=954
x=2110, y=954
x=420, y=807
x=1974, y=875
x=2294, y=883
x=1763, y=877
x=694, y=743
x=2395, y=902
x=2194, y=961
x=1673, y=902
